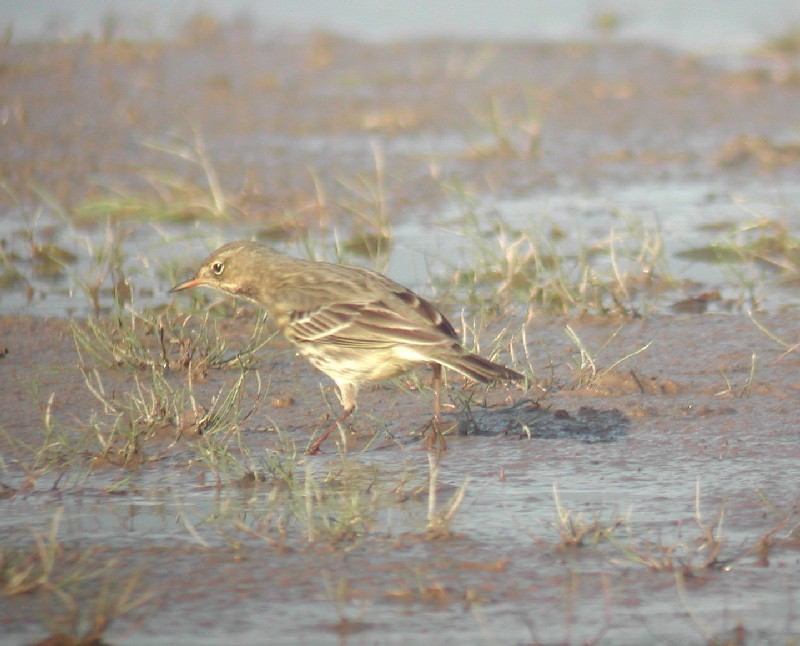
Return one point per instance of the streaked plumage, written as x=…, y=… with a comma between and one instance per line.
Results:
x=355, y=325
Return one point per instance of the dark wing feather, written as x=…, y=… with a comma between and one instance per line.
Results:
x=425, y=310
x=363, y=325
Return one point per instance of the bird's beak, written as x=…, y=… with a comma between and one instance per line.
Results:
x=188, y=284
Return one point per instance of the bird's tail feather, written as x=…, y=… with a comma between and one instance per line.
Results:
x=479, y=369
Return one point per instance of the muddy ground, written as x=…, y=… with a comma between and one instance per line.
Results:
x=656, y=501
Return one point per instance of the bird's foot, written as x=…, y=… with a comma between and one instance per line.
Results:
x=434, y=436
x=314, y=448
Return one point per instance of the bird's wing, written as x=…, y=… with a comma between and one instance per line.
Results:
x=365, y=325
x=422, y=309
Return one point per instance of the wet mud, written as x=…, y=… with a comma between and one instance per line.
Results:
x=646, y=490
x=665, y=457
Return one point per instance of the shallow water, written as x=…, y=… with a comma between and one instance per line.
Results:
x=662, y=475
x=685, y=447
x=430, y=247
x=503, y=557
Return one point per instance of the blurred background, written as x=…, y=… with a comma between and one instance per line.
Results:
x=705, y=25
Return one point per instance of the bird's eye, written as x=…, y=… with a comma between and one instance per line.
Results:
x=218, y=267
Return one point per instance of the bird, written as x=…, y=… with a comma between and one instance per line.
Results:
x=355, y=325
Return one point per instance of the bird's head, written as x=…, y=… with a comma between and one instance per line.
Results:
x=235, y=268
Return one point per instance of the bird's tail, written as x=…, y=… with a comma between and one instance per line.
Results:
x=479, y=369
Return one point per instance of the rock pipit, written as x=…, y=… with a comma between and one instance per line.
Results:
x=355, y=325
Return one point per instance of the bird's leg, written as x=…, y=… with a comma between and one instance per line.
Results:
x=434, y=433
x=347, y=395
x=314, y=448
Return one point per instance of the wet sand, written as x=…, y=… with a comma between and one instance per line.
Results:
x=631, y=455
x=675, y=474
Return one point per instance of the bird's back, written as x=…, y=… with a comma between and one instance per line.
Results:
x=298, y=287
